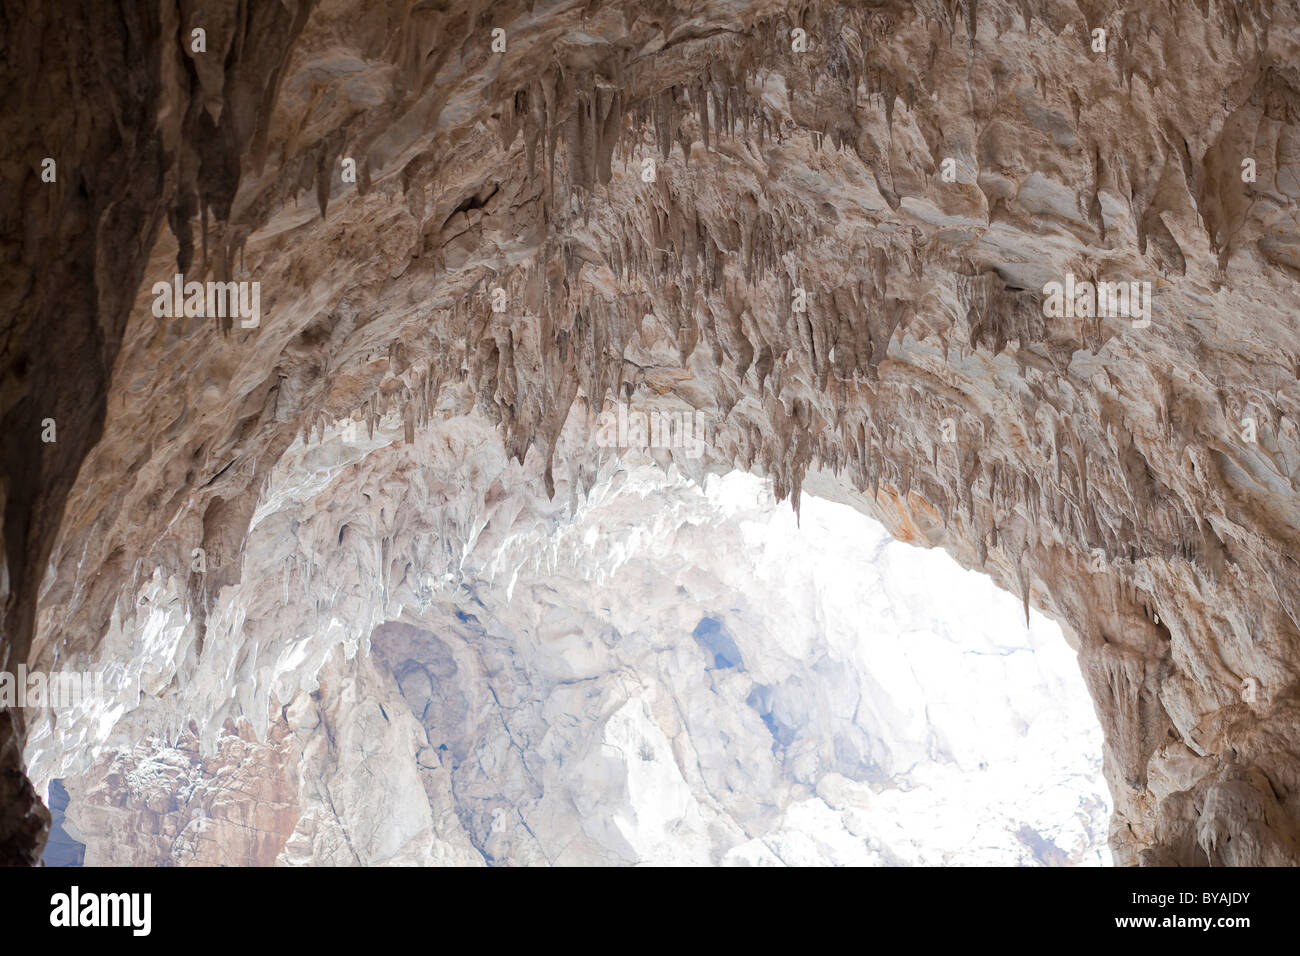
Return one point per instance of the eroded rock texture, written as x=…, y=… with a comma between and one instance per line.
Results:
x=1135, y=483
x=662, y=676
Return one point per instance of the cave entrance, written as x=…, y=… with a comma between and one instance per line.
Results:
x=689, y=673
x=665, y=669
x=840, y=696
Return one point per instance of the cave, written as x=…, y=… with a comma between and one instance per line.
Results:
x=364, y=361
x=670, y=673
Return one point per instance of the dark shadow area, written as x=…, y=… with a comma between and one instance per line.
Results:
x=711, y=634
x=61, y=849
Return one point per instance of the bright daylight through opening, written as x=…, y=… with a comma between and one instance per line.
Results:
x=674, y=674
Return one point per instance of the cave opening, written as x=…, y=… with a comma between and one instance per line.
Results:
x=668, y=668
x=1016, y=278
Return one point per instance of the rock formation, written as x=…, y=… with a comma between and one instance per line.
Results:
x=564, y=696
x=828, y=229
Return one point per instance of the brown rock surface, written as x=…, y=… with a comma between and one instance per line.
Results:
x=156, y=803
x=1100, y=469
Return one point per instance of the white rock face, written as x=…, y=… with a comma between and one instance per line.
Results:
x=656, y=673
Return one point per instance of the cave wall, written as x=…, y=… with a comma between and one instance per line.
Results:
x=104, y=91
x=1098, y=468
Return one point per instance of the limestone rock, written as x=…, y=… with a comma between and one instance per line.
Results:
x=680, y=207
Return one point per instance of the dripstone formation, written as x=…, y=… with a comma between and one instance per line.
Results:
x=827, y=228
